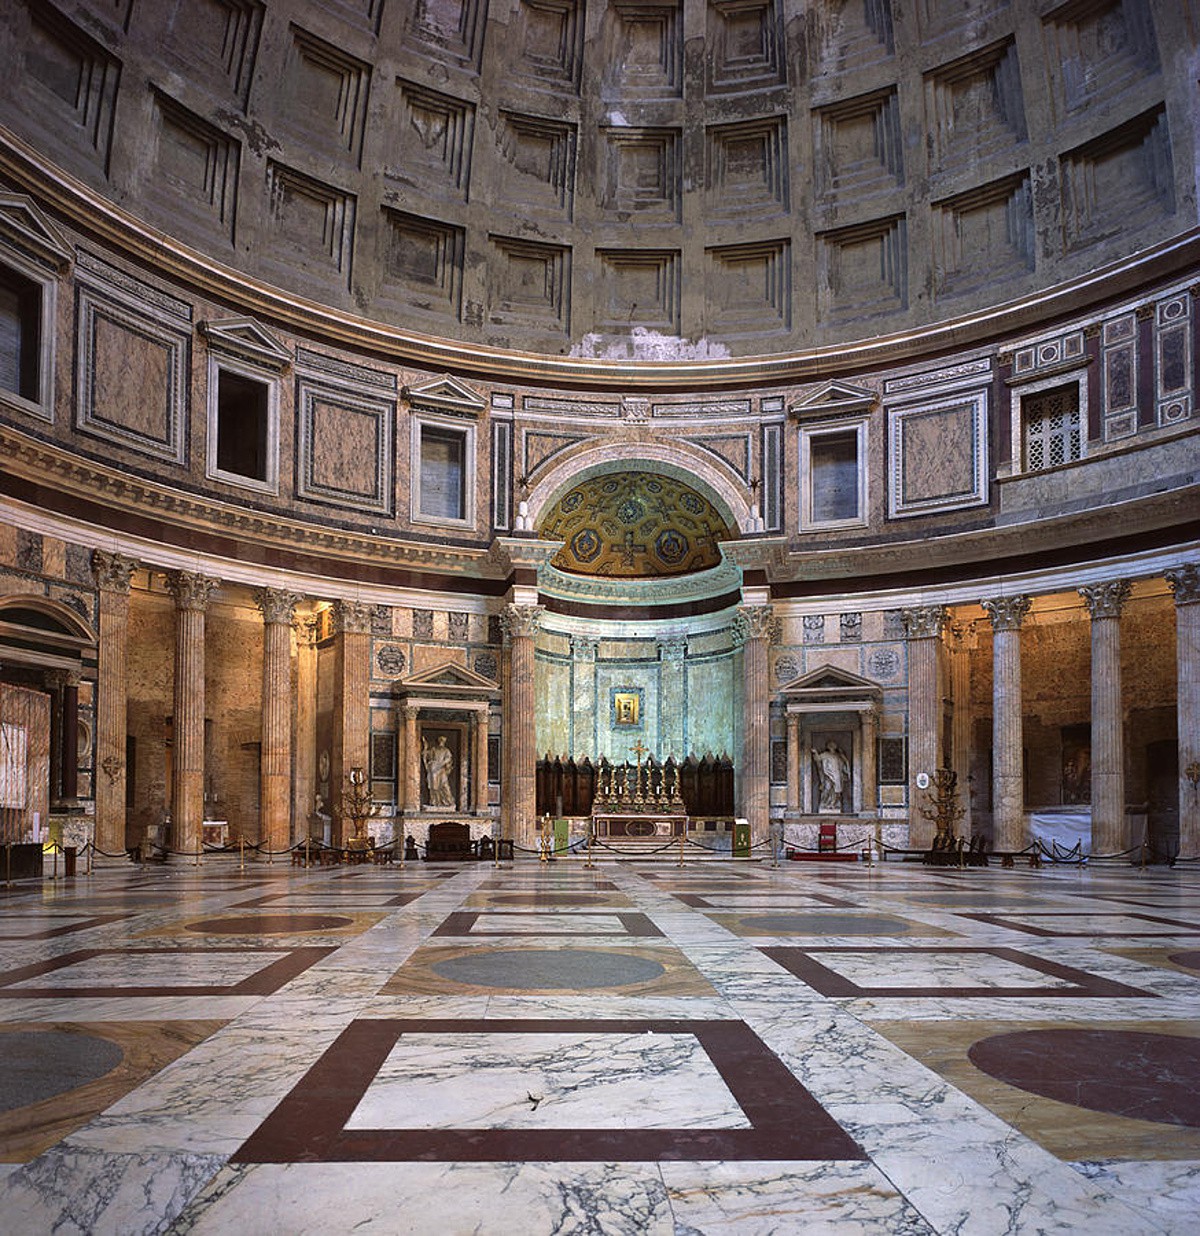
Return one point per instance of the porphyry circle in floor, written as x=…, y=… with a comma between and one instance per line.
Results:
x=269, y=924
x=548, y=969
x=825, y=924
x=44, y=1063
x=1131, y=1073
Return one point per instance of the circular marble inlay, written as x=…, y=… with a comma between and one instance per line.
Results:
x=534, y=969
x=824, y=924
x=268, y=924
x=1129, y=1073
x=42, y=1063
x=1189, y=960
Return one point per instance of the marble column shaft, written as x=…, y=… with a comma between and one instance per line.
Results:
x=192, y=593
x=520, y=622
x=352, y=706
x=923, y=626
x=962, y=644
x=756, y=627
x=410, y=784
x=304, y=785
x=1185, y=584
x=275, y=765
x=1110, y=832
x=479, y=763
x=1009, y=830
x=112, y=573
x=793, y=763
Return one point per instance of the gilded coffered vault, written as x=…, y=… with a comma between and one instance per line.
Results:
x=635, y=524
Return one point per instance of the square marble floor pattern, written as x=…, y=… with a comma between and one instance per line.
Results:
x=630, y=1049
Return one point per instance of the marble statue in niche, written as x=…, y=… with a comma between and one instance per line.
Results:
x=832, y=768
x=439, y=765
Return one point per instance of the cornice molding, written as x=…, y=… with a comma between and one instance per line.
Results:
x=86, y=209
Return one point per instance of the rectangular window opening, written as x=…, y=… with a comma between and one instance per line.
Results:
x=20, y=335
x=1053, y=434
x=833, y=469
x=242, y=425
x=443, y=459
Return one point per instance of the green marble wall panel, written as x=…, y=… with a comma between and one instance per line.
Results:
x=553, y=696
x=712, y=706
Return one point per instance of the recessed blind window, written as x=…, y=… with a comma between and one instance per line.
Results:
x=833, y=468
x=242, y=414
x=443, y=495
x=20, y=334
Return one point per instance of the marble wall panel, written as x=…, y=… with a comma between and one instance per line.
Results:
x=938, y=455
x=345, y=448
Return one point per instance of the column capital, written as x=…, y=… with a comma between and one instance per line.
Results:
x=61, y=678
x=517, y=621
x=351, y=618
x=755, y=622
x=410, y=711
x=190, y=590
x=307, y=628
x=924, y=621
x=112, y=572
x=1106, y=600
x=1184, y=582
x=583, y=648
x=672, y=648
x=1007, y=613
x=963, y=635
x=276, y=604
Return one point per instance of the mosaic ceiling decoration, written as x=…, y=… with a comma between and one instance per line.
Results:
x=635, y=524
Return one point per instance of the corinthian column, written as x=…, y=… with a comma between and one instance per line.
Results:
x=275, y=765
x=1008, y=777
x=962, y=644
x=304, y=786
x=1105, y=602
x=1185, y=584
x=519, y=624
x=351, y=703
x=192, y=593
x=112, y=573
x=923, y=626
x=755, y=627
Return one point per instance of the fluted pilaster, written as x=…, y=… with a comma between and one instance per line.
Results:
x=1110, y=834
x=962, y=645
x=112, y=573
x=1185, y=585
x=1008, y=787
x=923, y=625
x=755, y=627
x=192, y=593
x=520, y=624
x=306, y=629
x=275, y=776
x=352, y=703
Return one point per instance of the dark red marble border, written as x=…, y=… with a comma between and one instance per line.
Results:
x=801, y=963
x=264, y=982
x=385, y=901
x=309, y=1124
x=96, y=920
x=699, y=901
x=1002, y=920
x=462, y=923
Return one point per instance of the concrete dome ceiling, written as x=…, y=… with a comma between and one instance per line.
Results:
x=635, y=524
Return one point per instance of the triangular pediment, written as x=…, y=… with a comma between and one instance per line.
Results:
x=448, y=676
x=830, y=679
x=26, y=228
x=244, y=337
x=834, y=399
x=446, y=394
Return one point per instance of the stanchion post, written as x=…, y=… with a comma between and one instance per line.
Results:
x=242, y=849
x=54, y=851
x=307, y=851
x=270, y=854
x=682, y=841
x=590, y=839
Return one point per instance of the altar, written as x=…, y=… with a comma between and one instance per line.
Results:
x=640, y=825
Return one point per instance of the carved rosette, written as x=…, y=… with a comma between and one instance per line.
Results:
x=351, y=618
x=925, y=621
x=112, y=572
x=520, y=621
x=276, y=605
x=190, y=590
x=1185, y=583
x=1007, y=613
x=755, y=622
x=1106, y=600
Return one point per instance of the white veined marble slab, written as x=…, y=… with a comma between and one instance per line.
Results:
x=175, y=969
x=548, y=1081
x=550, y=922
x=925, y=968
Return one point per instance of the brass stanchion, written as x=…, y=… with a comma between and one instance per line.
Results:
x=242, y=849
x=400, y=843
x=544, y=840
x=270, y=854
x=591, y=840
x=54, y=851
x=307, y=851
x=682, y=840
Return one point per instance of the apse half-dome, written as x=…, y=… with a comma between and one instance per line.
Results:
x=635, y=525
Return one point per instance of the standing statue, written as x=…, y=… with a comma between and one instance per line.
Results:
x=439, y=764
x=833, y=775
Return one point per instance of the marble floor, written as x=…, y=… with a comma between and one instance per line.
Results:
x=634, y=1048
